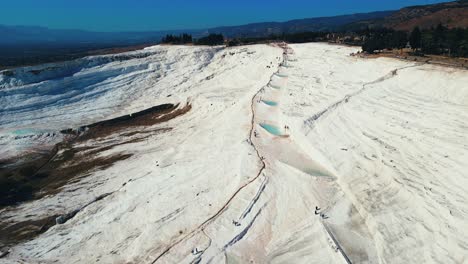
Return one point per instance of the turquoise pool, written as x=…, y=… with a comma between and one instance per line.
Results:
x=23, y=132
x=272, y=129
x=270, y=103
x=274, y=86
x=281, y=75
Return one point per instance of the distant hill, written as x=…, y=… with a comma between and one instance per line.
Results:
x=22, y=35
x=451, y=14
x=19, y=35
x=297, y=25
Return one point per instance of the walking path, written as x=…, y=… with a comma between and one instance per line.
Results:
x=268, y=118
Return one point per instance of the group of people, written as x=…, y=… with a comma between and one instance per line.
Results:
x=317, y=212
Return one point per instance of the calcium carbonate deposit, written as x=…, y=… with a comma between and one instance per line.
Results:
x=261, y=154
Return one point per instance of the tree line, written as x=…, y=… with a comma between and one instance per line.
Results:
x=436, y=41
x=211, y=39
x=300, y=37
x=218, y=39
x=173, y=39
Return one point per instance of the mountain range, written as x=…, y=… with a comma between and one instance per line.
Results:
x=42, y=35
x=451, y=14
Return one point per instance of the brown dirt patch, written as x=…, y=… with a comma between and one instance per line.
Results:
x=406, y=55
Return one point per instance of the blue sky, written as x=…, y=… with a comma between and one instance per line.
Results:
x=141, y=15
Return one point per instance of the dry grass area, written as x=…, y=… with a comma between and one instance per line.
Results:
x=405, y=54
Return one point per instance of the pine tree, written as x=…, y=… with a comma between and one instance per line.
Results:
x=415, y=39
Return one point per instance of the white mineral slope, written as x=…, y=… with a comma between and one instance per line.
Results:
x=397, y=135
x=175, y=180
x=380, y=145
x=38, y=101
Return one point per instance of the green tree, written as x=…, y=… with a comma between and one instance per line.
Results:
x=399, y=39
x=429, y=45
x=212, y=40
x=415, y=38
x=181, y=39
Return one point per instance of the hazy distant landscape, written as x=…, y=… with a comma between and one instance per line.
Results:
x=34, y=45
x=337, y=139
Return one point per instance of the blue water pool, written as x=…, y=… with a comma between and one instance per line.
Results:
x=281, y=75
x=272, y=129
x=23, y=132
x=270, y=103
x=274, y=86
